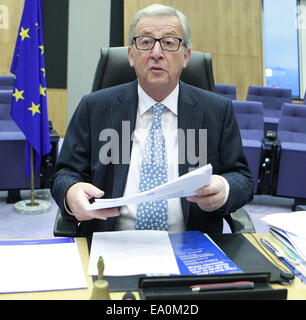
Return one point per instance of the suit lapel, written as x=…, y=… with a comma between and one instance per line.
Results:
x=125, y=110
x=190, y=116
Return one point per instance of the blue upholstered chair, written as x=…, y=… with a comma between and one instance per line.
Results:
x=7, y=82
x=12, y=145
x=250, y=120
x=226, y=90
x=292, y=160
x=272, y=99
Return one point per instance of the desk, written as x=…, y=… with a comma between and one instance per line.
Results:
x=296, y=290
x=82, y=294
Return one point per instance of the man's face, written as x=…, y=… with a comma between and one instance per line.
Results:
x=158, y=71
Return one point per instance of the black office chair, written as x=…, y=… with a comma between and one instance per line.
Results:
x=113, y=68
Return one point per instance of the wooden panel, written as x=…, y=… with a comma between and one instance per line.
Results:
x=239, y=27
x=57, y=109
x=57, y=98
x=8, y=36
x=239, y=70
x=231, y=30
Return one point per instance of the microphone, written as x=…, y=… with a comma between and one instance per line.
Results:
x=128, y=296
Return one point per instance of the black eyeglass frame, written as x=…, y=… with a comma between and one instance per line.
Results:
x=159, y=40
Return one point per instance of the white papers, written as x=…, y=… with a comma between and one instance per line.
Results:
x=294, y=222
x=40, y=265
x=132, y=252
x=184, y=186
x=292, y=226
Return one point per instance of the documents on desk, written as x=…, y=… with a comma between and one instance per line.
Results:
x=40, y=265
x=184, y=186
x=157, y=253
x=132, y=252
x=288, y=239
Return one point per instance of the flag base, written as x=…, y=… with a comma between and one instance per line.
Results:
x=28, y=207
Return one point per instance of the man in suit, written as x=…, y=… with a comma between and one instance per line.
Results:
x=159, y=48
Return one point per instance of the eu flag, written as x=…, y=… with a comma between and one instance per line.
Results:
x=29, y=98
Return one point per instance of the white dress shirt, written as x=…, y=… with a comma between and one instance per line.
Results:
x=144, y=119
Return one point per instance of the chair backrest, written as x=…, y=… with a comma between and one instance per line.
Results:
x=5, y=104
x=272, y=98
x=113, y=68
x=292, y=123
x=7, y=82
x=226, y=90
x=250, y=118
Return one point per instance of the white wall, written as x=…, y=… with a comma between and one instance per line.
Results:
x=88, y=32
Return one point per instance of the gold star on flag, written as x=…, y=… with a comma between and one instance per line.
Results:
x=18, y=94
x=44, y=71
x=42, y=91
x=42, y=49
x=34, y=109
x=24, y=33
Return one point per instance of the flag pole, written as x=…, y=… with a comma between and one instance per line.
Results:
x=32, y=203
x=31, y=206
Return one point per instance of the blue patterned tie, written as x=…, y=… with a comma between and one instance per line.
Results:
x=153, y=215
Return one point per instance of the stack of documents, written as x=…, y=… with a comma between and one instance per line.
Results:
x=184, y=186
x=288, y=239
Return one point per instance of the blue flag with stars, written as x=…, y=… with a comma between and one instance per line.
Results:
x=29, y=98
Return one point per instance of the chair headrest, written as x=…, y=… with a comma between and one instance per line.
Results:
x=6, y=96
x=270, y=92
x=248, y=107
x=7, y=81
x=113, y=68
x=293, y=110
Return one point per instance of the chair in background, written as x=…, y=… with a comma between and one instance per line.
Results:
x=226, y=90
x=7, y=82
x=292, y=159
x=113, y=68
x=272, y=99
x=304, y=101
x=12, y=145
x=250, y=120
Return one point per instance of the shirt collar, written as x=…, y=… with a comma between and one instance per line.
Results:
x=145, y=102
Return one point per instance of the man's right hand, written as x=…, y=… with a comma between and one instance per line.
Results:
x=77, y=197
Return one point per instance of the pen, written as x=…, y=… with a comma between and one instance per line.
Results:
x=223, y=286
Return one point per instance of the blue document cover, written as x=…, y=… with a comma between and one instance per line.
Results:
x=195, y=253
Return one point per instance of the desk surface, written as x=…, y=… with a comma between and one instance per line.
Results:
x=296, y=290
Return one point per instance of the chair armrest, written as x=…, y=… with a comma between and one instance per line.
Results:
x=65, y=227
x=240, y=222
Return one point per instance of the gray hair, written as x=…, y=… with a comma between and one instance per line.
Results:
x=161, y=10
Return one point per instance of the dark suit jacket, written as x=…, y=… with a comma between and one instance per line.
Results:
x=107, y=108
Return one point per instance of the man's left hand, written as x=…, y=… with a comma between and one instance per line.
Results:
x=211, y=197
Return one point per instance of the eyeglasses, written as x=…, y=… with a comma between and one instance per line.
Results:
x=166, y=43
